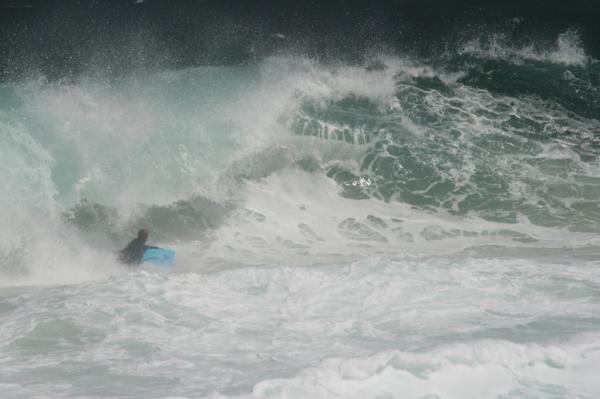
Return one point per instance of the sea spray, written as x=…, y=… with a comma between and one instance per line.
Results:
x=406, y=228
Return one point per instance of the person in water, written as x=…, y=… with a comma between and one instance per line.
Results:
x=133, y=253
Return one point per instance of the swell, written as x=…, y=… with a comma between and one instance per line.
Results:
x=292, y=156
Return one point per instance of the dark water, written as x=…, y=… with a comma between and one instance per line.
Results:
x=68, y=38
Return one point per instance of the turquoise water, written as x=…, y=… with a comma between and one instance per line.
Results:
x=403, y=229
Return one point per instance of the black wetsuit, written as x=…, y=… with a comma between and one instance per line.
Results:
x=133, y=253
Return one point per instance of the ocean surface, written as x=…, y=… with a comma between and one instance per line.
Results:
x=403, y=227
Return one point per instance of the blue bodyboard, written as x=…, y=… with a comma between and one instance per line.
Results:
x=159, y=256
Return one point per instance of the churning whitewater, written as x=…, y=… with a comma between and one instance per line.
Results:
x=400, y=229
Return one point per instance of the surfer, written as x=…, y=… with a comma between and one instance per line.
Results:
x=133, y=253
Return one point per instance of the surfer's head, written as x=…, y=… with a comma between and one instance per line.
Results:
x=143, y=234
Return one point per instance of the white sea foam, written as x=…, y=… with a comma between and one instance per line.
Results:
x=404, y=327
x=301, y=217
x=488, y=369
